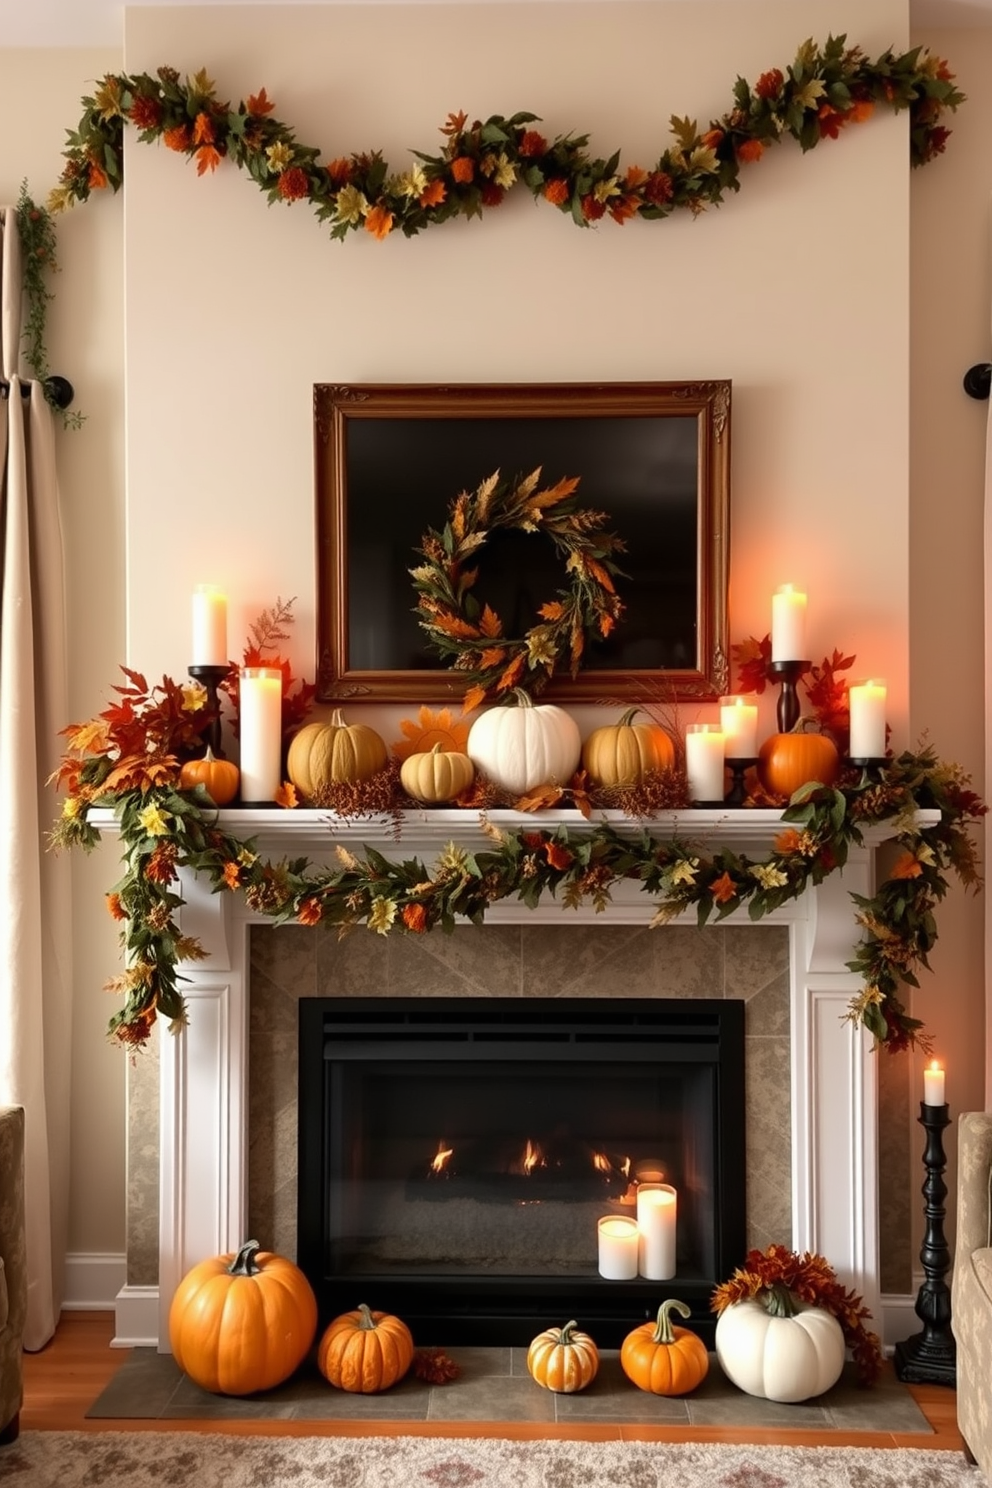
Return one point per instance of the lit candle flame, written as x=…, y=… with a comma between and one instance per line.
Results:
x=442, y=1158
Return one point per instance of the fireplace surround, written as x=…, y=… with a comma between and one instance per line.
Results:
x=455, y=1156
x=205, y=1137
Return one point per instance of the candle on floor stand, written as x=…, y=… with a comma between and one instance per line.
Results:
x=657, y=1205
x=617, y=1248
x=933, y=1085
x=260, y=692
x=739, y=721
x=704, y=761
x=209, y=626
x=867, y=703
x=788, y=624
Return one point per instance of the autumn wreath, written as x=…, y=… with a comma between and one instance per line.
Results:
x=469, y=635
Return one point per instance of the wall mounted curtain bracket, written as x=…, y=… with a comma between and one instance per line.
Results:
x=978, y=380
x=58, y=390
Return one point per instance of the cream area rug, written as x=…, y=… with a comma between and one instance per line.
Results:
x=62, y=1459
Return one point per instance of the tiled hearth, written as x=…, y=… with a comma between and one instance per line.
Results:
x=517, y=953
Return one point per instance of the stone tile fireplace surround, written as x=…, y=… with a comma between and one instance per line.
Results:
x=224, y=1165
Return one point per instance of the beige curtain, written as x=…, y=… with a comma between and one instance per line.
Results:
x=35, y=905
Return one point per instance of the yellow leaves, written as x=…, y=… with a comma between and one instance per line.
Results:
x=203, y=85
x=352, y=205
x=154, y=821
x=703, y=161
x=88, y=738
x=279, y=157
x=347, y=859
x=808, y=95
x=107, y=99
x=382, y=913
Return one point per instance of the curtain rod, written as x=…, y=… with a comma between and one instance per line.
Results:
x=58, y=390
x=978, y=380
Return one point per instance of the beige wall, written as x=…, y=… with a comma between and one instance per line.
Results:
x=797, y=289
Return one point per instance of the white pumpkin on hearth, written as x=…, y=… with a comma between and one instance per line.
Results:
x=779, y=1348
x=519, y=747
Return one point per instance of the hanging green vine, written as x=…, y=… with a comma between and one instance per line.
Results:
x=36, y=231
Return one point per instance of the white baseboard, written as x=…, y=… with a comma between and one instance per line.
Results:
x=136, y=1317
x=92, y=1281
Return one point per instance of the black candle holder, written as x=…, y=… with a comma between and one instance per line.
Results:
x=788, y=673
x=930, y=1357
x=211, y=677
x=871, y=767
x=738, y=766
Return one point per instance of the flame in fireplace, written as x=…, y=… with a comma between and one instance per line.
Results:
x=530, y=1158
x=441, y=1158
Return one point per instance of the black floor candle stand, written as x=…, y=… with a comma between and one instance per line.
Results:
x=930, y=1357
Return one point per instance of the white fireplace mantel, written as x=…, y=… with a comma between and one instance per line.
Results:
x=204, y=1095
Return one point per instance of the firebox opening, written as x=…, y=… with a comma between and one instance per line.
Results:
x=455, y=1157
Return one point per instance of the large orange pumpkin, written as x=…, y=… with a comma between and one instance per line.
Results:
x=323, y=754
x=241, y=1323
x=788, y=761
x=664, y=1359
x=364, y=1351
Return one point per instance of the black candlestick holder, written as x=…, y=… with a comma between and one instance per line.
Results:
x=788, y=673
x=211, y=677
x=738, y=766
x=871, y=767
x=930, y=1357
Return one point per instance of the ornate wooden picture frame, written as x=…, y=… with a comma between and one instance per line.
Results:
x=655, y=457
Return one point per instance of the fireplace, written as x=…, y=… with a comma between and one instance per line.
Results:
x=456, y=1155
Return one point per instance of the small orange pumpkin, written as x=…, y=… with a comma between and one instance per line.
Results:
x=563, y=1359
x=622, y=753
x=788, y=761
x=219, y=777
x=664, y=1359
x=241, y=1323
x=364, y=1351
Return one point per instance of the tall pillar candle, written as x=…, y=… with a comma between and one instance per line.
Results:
x=704, y=761
x=260, y=694
x=618, y=1242
x=933, y=1085
x=788, y=624
x=867, y=703
x=209, y=626
x=739, y=721
x=657, y=1207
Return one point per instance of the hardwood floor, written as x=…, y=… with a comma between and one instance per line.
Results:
x=63, y=1380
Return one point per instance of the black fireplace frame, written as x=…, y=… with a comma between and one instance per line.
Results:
x=477, y=1309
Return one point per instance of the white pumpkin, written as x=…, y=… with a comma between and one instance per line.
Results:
x=790, y=1355
x=522, y=747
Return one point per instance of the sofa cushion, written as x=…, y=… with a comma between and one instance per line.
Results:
x=981, y=1261
x=3, y=1296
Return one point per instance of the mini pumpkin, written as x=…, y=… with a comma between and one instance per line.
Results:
x=242, y=1322
x=664, y=1359
x=778, y=1348
x=219, y=777
x=623, y=753
x=334, y=753
x=564, y=1360
x=436, y=777
x=364, y=1351
x=522, y=747
x=788, y=761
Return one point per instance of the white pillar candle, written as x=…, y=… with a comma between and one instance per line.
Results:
x=739, y=721
x=209, y=626
x=867, y=703
x=704, y=761
x=933, y=1085
x=657, y=1206
x=260, y=696
x=617, y=1248
x=788, y=624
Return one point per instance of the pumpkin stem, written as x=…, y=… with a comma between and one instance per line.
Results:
x=664, y=1333
x=565, y=1335
x=244, y=1262
x=367, y=1321
x=628, y=718
x=524, y=699
x=337, y=719
x=779, y=1301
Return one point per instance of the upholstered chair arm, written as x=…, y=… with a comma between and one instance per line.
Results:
x=974, y=1172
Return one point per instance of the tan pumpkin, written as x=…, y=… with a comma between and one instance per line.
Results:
x=333, y=753
x=788, y=761
x=522, y=747
x=364, y=1351
x=219, y=777
x=623, y=753
x=241, y=1323
x=437, y=776
x=663, y=1359
x=564, y=1360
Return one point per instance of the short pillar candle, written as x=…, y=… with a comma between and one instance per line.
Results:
x=617, y=1248
x=260, y=695
x=788, y=624
x=704, y=763
x=657, y=1205
x=209, y=626
x=739, y=721
x=867, y=704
